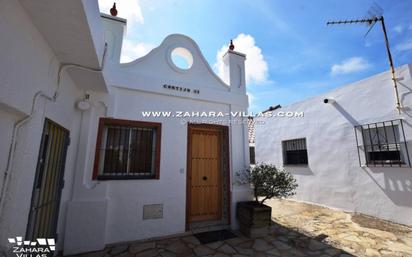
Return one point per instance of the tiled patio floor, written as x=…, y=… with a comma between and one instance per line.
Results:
x=299, y=230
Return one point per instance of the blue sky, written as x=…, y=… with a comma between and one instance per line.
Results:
x=291, y=53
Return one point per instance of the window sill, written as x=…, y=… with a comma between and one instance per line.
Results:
x=126, y=177
x=386, y=165
x=296, y=165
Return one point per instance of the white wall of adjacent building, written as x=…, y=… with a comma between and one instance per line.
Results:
x=28, y=65
x=333, y=176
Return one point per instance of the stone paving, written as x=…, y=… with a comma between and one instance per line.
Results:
x=284, y=243
x=298, y=230
x=357, y=234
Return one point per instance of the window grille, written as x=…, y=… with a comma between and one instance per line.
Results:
x=128, y=150
x=295, y=152
x=382, y=144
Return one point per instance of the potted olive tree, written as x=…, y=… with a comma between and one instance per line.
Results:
x=267, y=182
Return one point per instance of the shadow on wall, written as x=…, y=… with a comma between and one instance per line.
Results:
x=299, y=170
x=345, y=114
x=397, y=183
x=406, y=110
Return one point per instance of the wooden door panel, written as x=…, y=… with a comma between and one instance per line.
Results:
x=205, y=175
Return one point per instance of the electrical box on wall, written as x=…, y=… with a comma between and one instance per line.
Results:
x=153, y=211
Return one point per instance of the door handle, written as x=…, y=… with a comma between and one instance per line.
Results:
x=204, y=178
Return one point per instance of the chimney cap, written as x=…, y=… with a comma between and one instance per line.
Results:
x=231, y=46
x=113, y=10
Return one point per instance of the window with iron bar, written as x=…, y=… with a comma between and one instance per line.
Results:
x=127, y=150
x=295, y=152
x=382, y=144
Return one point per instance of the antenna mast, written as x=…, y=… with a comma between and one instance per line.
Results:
x=371, y=22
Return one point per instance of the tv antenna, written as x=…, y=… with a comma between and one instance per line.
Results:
x=375, y=15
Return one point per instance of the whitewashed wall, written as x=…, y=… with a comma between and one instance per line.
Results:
x=105, y=212
x=29, y=65
x=334, y=176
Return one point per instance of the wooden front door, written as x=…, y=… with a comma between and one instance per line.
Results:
x=204, y=174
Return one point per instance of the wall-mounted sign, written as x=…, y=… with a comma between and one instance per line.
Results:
x=181, y=89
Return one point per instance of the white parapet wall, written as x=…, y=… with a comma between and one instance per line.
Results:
x=334, y=176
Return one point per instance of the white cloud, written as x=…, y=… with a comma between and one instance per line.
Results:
x=406, y=46
x=398, y=29
x=128, y=9
x=351, y=65
x=256, y=66
x=132, y=51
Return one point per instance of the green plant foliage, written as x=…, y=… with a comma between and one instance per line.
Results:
x=269, y=182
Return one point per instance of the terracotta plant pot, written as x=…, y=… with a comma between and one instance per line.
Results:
x=254, y=218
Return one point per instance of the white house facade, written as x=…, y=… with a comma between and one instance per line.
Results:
x=351, y=149
x=95, y=152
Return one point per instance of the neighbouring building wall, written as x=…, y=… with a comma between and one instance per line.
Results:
x=333, y=176
x=28, y=65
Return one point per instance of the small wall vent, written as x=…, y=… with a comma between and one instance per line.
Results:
x=153, y=211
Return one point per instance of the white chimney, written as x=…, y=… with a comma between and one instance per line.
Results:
x=234, y=70
x=114, y=31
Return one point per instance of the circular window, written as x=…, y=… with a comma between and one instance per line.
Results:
x=182, y=58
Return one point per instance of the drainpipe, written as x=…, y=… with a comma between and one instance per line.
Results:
x=13, y=144
x=20, y=123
